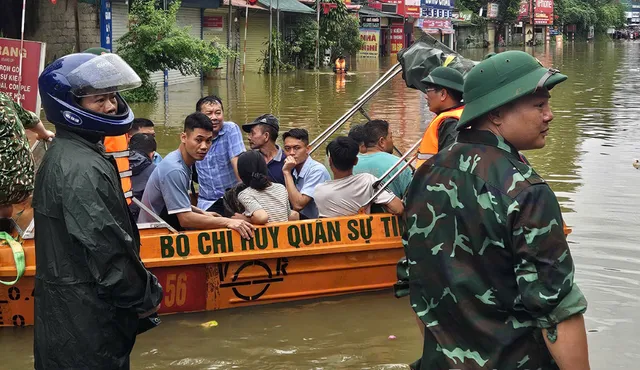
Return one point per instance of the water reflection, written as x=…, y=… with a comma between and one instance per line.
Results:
x=587, y=161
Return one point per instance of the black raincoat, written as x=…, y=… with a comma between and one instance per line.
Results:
x=90, y=282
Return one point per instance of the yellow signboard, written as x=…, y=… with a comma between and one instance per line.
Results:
x=371, y=47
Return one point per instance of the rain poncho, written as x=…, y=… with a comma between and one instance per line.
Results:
x=90, y=282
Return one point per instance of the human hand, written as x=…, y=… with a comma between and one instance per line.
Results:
x=214, y=214
x=243, y=227
x=289, y=164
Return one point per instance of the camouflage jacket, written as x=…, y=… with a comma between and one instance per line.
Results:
x=16, y=162
x=489, y=265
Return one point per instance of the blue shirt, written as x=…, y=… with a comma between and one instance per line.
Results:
x=311, y=175
x=274, y=167
x=215, y=171
x=156, y=158
x=377, y=164
x=167, y=190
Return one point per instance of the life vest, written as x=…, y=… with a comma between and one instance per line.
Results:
x=429, y=145
x=118, y=147
x=340, y=64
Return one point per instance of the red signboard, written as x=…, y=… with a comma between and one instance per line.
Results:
x=397, y=37
x=213, y=21
x=543, y=10
x=183, y=288
x=32, y=66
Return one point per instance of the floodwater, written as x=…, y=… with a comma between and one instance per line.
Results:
x=587, y=161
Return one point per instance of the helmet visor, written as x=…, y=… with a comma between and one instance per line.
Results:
x=104, y=74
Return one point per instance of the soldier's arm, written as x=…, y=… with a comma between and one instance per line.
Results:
x=570, y=350
x=544, y=273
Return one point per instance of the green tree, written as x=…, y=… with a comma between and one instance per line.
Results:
x=155, y=42
x=339, y=30
x=601, y=14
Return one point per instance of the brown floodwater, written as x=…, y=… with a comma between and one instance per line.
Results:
x=587, y=161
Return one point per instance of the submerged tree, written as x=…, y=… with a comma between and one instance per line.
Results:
x=155, y=42
x=339, y=30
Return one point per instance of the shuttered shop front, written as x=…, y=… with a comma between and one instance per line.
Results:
x=215, y=27
x=186, y=17
x=119, y=22
x=257, y=38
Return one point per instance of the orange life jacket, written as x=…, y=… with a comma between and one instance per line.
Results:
x=341, y=64
x=429, y=145
x=118, y=147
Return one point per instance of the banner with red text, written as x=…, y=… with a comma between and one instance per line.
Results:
x=397, y=37
x=371, y=46
x=32, y=65
x=543, y=10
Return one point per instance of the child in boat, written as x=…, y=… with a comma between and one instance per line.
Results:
x=263, y=201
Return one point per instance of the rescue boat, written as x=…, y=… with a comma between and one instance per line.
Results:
x=217, y=269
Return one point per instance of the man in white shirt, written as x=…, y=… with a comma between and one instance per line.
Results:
x=347, y=193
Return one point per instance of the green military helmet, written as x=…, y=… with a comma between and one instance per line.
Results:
x=445, y=77
x=503, y=78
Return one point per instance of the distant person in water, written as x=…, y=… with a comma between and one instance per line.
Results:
x=340, y=65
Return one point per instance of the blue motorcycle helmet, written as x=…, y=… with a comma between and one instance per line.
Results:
x=66, y=81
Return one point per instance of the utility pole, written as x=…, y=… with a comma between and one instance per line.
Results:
x=317, y=36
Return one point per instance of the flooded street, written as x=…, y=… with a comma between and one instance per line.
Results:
x=593, y=142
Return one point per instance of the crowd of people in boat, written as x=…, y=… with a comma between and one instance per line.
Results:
x=239, y=188
x=488, y=269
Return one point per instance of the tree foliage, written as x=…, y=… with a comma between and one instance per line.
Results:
x=601, y=14
x=339, y=31
x=155, y=42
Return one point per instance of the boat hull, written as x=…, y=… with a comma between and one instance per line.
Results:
x=216, y=269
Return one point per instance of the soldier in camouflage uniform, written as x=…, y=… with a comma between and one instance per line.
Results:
x=16, y=162
x=490, y=272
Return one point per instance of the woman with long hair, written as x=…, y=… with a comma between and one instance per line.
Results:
x=263, y=201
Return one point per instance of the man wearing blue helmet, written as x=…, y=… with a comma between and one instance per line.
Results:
x=91, y=287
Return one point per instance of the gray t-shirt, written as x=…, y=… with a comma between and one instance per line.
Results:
x=274, y=200
x=343, y=197
x=167, y=191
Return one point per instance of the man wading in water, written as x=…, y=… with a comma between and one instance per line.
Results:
x=91, y=288
x=490, y=272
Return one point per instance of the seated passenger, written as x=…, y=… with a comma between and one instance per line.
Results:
x=346, y=193
x=357, y=133
x=144, y=126
x=263, y=132
x=301, y=173
x=263, y=201
x=142, y=147
x=377, y=159
x=167, y=191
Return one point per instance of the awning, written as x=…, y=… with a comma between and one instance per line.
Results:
x=292, y=6
x=370, y=12
x=349, y=6
x=242, y=4
x=445, y=31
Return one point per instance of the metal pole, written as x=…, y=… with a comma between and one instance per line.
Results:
x=229, y=23
x=315, y=68
x=361, y=101
x=244, y=54
x=395, y=175
x=404, y=156
x=270, y=32
x=24, y=5
x=278, y=40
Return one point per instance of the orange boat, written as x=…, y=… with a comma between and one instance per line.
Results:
x=216, y=269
